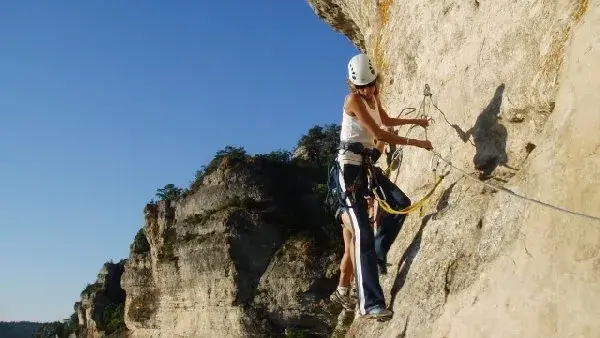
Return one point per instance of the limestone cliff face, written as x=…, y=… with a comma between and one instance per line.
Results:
x=95, y=298
x=518, y=92
x=235, y=258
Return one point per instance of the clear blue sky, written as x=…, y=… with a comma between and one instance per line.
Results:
x=102, y=102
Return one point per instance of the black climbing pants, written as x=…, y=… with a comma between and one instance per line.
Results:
x=389, y=225
x=369, y=248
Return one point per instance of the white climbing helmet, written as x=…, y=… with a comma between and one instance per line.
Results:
x=360, y=70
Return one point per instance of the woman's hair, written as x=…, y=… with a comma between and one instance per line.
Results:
x=353, y=88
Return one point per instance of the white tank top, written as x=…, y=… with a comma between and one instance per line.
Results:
x=352, y=130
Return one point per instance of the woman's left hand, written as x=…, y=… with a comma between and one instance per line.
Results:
x=423, y=123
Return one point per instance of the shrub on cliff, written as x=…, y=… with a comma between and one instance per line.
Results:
x=320, y=143
x=58, y=329
x=114, y=318
x=280, y=156
x=18, y=329
x=140, y=243
x=230, y=153
x=168, y=192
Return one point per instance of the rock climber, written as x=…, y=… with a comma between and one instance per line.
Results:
x=362, y=121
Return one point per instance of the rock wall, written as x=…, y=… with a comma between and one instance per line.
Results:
x=95, y=298
x=228, y=260
x=516, y=90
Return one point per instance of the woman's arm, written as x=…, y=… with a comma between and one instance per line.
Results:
x=358, y=108
x=391, y=122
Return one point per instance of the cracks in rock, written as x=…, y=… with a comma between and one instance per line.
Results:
x=402, y=334
x=447, y=282
x=480, y=50
x=522, y=237
x=460, y=273
x=413, y=249
x=529, y=147
x=444, y=201
x=407, y=259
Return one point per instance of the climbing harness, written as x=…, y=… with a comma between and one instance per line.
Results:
x=335, y=199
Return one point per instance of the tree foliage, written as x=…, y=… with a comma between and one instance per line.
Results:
x=231, y=153
x=18, y=329
x=168, y=192
x=321, y=143
x=140, y=243
x=281, y=156
x=113, y=318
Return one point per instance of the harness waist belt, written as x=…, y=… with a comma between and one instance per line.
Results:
x=355, y=147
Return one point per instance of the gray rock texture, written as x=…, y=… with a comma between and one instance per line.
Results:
x=237, y=257
x=517, y=92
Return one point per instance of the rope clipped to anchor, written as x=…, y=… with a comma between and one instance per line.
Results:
x=398, y=154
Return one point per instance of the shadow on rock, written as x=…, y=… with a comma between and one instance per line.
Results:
x=489, y=137
x=413, y=249
x=407, y=259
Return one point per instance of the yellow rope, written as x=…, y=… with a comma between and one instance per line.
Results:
x=387, y=208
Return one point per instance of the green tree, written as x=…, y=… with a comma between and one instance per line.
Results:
x=281, y=156
x=231, y=153
x=168, y=192
x=321, y=143
x=114, y=318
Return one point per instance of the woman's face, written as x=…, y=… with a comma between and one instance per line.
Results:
x=368, y=91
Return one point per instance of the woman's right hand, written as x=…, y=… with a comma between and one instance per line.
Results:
x=424, y=144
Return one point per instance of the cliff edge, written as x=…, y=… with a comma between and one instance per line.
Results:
x=247, y=251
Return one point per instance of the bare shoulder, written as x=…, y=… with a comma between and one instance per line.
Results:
x=352, y=97
x=352, y=103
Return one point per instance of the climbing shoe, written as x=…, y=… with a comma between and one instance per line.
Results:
x=347, y=302
x=354, y=295
x=380, y=313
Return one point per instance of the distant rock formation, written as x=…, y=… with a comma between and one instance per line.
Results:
x=246, y=254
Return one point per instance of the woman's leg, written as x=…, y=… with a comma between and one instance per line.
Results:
x=347, y=264
x=342, y=293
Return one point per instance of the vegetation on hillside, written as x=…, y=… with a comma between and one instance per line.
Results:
x=168, y=192
x=140, y=243
x=19, y=329
x=319, y=144
x=109, y=301
x=62, y=329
